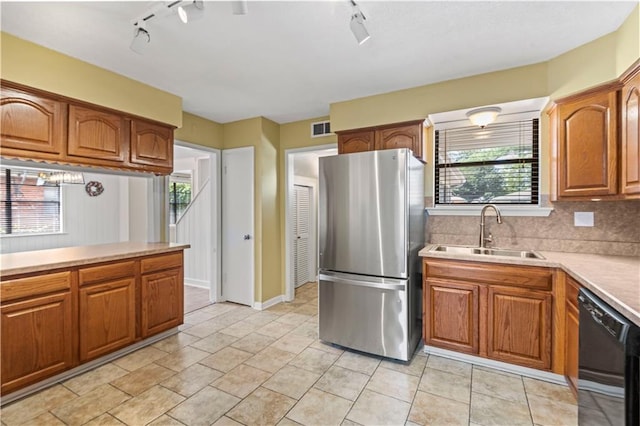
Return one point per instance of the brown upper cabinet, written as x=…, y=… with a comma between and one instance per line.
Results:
x=38, y=126
x=408, y=134
x=31, y=125
x=630, y=134
x=151, y=145
x=594, y=137
x=96, y=134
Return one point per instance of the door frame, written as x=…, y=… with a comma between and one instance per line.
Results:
x=251, y=261
x=288, y=229
x=215, y=185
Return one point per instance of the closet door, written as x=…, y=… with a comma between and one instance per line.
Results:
x=301, y=228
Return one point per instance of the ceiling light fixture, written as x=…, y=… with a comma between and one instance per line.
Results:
x=191, y=10
x=240, y=7
x=141, y=37
x=357, y=24
x=60, y=178
x=483, y=116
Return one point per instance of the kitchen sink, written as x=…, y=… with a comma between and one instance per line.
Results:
x=529, y=254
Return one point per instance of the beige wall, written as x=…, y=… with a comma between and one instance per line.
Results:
x=36, y=66
x=271, y=272
x=418, y=102
x=628, y=42
x=200, y=131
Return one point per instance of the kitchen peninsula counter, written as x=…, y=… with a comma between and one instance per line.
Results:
x=615, y=279
x=67, y=257
x=66, y=310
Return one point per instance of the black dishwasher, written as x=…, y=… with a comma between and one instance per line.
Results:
x=608, y=365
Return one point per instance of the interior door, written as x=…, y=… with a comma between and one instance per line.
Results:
x=301, y=231
x=238, y=225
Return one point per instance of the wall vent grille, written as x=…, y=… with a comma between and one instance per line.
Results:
x=321, y=128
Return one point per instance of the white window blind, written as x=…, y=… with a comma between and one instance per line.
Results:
x=28, y=204
x=495, y=164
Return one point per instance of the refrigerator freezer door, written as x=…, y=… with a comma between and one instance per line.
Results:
x=363, y=213
x=369, y=314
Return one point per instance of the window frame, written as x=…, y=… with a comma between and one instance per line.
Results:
x=60, y=203
x=534, y=209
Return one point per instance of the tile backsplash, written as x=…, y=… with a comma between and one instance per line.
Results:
x=616, y=229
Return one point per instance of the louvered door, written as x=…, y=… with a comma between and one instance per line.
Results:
x=301, y=225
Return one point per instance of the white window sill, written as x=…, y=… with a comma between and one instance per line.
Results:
x=31, y=235
x=474, y=210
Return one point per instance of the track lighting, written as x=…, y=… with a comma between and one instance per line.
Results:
x=239, y=7
x=357, y=24
x=191, y=10
x=141, y=37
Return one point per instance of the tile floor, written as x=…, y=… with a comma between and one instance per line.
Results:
x=195, y=298
x=231, y=365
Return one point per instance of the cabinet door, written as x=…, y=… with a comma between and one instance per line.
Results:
x=630, y=161
x=409, y=136
x=107, y=317
x=96, y=134
x=151, y=145
x=32, y=127
x=587, y=137
x=36, y=339
x=356, y=141
x=571, y=348
x=519, y=327
x=451, y=315
x=162, y=301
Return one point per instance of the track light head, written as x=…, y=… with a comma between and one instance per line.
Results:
x=141, y=37
x=190, y=11
x=357, y=27
x=357, y=24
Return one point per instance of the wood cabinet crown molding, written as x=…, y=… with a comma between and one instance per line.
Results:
x=46, y=127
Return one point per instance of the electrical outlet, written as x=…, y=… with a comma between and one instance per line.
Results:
x=583, y=219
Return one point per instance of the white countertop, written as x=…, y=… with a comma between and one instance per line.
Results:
x=67, y=257
x=615, y=279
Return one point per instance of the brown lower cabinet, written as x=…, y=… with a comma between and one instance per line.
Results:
x=52, y=322
x=502, y=312
x=107, y=317
x=37, y=339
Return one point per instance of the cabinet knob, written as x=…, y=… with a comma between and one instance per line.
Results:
x=247, y=236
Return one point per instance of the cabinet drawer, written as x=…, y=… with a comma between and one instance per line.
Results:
x=572, y=288
x=33, y=286
x=107, y=272
x=507, y=275
x=158, y=263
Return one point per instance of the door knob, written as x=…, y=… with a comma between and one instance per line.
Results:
x=247, y=236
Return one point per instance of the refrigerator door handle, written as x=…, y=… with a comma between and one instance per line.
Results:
x=362, y=283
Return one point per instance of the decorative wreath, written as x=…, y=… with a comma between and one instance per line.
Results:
x=94, y=188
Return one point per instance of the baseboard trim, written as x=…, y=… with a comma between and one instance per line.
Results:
x=498, y=365
x=261, y=306
x=196, y=283
x=6, y=399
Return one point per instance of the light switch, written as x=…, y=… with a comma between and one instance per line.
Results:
x=583, y=219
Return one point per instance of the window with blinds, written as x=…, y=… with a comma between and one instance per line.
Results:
x=28, y=204
x=495, y=164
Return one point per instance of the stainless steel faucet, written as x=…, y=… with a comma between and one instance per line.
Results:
x=483, y=240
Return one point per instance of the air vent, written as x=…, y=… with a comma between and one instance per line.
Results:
x=321, y=128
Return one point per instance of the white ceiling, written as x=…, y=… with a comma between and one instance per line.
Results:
x=288, y=61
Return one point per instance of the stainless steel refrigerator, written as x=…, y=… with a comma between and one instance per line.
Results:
x=371, y=223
